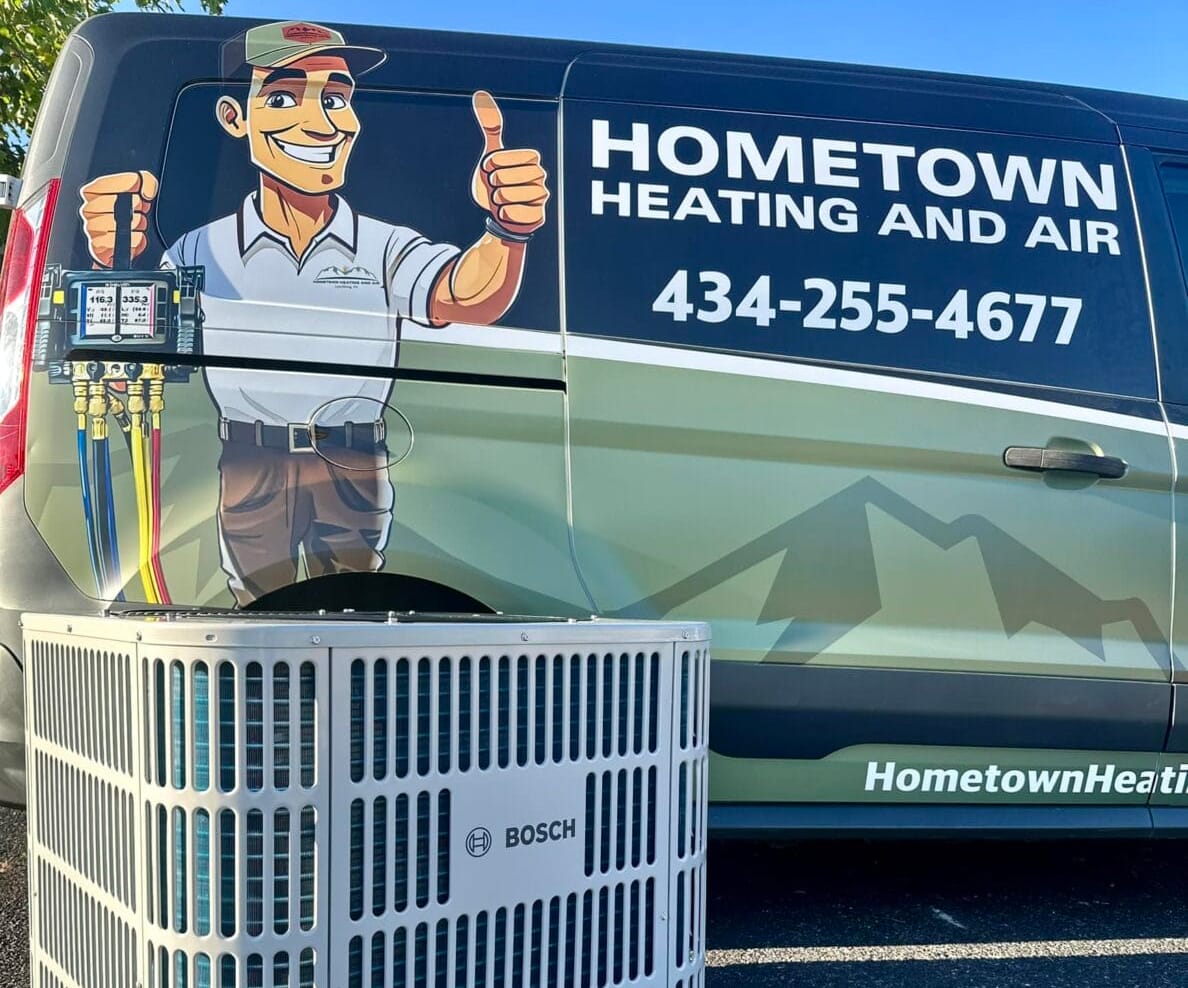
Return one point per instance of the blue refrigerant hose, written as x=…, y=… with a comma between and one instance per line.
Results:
x=106, y=497
x=88, y=511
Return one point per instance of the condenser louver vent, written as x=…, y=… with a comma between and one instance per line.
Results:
x=220, y=803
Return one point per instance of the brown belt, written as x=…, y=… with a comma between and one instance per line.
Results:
x=300, y=437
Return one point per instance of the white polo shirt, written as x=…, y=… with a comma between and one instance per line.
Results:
x=342, y=302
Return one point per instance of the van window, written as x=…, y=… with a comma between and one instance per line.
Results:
x=990, y=256
x=1175, y=189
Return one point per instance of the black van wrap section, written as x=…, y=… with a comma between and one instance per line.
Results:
x=771, y=710
x=760, y=820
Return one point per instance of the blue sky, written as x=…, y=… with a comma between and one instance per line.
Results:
x=1141, y=45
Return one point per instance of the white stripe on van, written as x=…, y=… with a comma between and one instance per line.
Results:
x=724, y=363
x=622, y=351
x=495, y=337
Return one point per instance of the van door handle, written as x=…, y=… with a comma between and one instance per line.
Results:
x=1039, y=458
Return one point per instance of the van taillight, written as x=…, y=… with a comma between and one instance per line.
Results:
x=20, y=279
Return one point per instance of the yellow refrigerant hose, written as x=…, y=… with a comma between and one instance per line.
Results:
x=156, y=408
x=141, y=484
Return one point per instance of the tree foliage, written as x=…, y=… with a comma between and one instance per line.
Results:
x=32, y=33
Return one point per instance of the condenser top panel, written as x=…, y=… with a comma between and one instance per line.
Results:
x=359, y=631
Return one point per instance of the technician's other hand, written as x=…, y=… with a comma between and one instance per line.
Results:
x=508, y=183
x=98, y=212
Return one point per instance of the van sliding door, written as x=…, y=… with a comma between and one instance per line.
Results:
x=878, y=400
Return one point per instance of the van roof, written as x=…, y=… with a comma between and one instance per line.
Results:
x=548, y=69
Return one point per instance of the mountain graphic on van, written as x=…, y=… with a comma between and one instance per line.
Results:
x=829, y=572
x=345, y=276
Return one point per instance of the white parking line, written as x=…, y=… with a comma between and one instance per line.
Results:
x=1007, y=950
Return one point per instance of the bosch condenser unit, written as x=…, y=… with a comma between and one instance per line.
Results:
x=354, y=803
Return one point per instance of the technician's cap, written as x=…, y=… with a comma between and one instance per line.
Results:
x=281, y=43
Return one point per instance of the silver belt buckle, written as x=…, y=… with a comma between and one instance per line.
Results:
x=294, y=429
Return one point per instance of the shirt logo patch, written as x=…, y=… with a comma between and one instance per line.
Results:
x=344, y=276
x=306, y=33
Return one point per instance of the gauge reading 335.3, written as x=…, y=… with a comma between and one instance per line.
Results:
x=855, y=306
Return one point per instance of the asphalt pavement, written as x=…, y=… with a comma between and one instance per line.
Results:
x=875, y=915
x=944, y=914
x=14, y=914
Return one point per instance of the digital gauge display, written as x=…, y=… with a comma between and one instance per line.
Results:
x=156, y=314
x=111, y=311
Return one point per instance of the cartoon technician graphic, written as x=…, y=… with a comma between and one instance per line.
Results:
x=296, y=272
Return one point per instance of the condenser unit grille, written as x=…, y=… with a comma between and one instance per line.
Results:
x=369, y=806
x=599, y=938
x=419, y=716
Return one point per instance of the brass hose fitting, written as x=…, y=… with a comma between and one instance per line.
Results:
x=119, y=410
x=155, y=373
x=80, y=381
x=136, y=403
x=97, y=408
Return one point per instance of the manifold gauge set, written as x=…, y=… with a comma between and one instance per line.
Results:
x=107, y=333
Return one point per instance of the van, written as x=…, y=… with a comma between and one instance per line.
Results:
x=881, y=372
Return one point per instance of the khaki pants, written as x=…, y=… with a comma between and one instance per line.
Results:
x=274, y=505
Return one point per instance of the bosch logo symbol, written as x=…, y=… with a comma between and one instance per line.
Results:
x=478, y=842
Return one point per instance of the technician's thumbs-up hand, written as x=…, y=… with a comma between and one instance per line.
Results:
x=508, y=183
